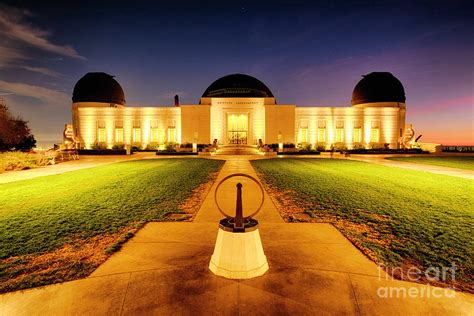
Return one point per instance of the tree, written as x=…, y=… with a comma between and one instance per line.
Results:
x=14, y=132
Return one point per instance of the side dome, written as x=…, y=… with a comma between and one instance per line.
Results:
x=237, y=86
x=378, y=87
x=98, y=87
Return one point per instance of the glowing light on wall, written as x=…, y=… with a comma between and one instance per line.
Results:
x=357, y=138
x=119, y=135
x=171, y=135
x=101, y=135
x=303, y=135
x=349, y=133
x=321, y=135
x=375, y=135
x=146, y=129
x=339, y=135
x=154, y=135
x=367, y=128
x=137, y=135
x=155, y=121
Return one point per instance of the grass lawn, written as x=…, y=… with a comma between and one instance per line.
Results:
x=399, y=218
x=453, y=161
x=61, y=227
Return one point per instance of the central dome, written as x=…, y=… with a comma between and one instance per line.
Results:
x=98, y=87
x=237, y=86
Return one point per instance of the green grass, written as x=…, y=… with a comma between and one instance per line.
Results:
x=44, y=213
x=459, y=162
x=41, y=215
x=405, y=216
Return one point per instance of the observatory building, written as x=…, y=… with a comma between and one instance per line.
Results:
x=238, y=110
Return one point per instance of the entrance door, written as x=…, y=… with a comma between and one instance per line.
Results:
x=237, y=128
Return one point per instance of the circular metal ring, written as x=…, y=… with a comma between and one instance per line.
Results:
x=245, y=176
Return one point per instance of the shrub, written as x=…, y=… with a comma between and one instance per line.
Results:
x=98, y=146
x=340, y=148
x=117, y=147
x=288, y=145
x=358, y=147
x=170, y=146
x=201, y=147
x=305, y=147
x=151, y=146
x=186, y=145
x=15, y=160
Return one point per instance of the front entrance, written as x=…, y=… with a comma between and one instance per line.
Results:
x=237, y=129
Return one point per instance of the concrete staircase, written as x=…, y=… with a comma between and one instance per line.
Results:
x=237, y=150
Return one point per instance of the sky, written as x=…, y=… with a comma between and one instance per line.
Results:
x=309, y=53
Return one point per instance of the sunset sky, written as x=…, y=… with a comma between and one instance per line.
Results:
x=307, y=53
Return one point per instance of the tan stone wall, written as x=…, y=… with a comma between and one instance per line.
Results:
x=385, y=116
x=253, y=107
x=196, y=124
x=272, y=123
x=279, y=120
x=88, y=116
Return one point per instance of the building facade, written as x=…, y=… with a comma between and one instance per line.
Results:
x=239, y=110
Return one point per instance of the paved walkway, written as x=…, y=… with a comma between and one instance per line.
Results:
x=163, y=270
x=380, y=159
x=83, y=163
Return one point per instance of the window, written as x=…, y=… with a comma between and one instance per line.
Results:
x=357, y=136
x=321, y=135
x=137, y=135
x=304, y=135
x=374, y=135
x=101, y=135
x=154, y=135
x=171, y=134
x=119, y=135
x=339, y=135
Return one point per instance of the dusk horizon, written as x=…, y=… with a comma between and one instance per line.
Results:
x=307, y=54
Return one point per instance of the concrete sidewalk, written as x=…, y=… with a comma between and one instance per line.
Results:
x=83, y=163
x=380, y=159
x=163, y=270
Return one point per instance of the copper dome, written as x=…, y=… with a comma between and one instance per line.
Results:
x=237, y=86
x=378, y=87
x=98, y=87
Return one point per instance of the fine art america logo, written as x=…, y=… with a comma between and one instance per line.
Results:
x=413, y=274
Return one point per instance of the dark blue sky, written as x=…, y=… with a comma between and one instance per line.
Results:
x=308, y=53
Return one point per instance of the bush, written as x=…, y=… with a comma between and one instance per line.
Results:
x=98, y=146
x=15, y=160
x=117, y=147
x=289, y=145
x=170, y=147
x=358, y=147
x=201, y=147
x=151, y=146
x=186, y=145
x=340, y=148
x=304, y=147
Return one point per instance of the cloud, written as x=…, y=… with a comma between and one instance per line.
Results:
x=14, y=27
x=10, y=55
x=47, y=96
x=44, y=71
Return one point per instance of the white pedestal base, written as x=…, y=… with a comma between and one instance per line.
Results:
x=238, y=255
